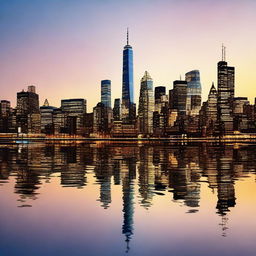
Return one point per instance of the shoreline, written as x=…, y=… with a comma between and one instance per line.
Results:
x=225, y=139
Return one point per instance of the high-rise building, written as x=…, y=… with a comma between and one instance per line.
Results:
x=5, y=116
x=5, y=108
x=102, y=119
x=159, y=91
x=146, y=105
x=212, y=107
x=47, y=118
x=128, y=106
x=160, y=98
x=74, y=110
x=179, y=96
x=226, y=86
x=59, y=121
x=28, y=114
x=193, y=92
x=74, y=106
x=116, y=110
x=208, y=113
x=243, y=114
x=106, y=93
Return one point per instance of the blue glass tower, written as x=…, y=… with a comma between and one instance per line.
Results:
x=194, y=91
x=128, y=106
x=106, y=93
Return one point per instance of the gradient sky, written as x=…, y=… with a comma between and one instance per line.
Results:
x=66, y=47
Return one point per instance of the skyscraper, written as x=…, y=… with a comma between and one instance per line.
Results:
x=146, y=105
x=160, y=98
x=106, y=93
x=47, y=118
x=74, y=111
x=102, y=118
x=159, y=91
x=226, y=85
x=28, y=114
x=116, y=110
x=193, y=92
x=128, y=105
x=179, y=96
x=208, y=113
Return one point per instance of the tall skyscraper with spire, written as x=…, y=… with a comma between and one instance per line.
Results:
x=226, y=90
x=128, y=105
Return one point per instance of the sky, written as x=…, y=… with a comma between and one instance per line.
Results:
x=66, y=47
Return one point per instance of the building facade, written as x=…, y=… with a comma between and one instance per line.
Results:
x=106, y=93
x=194, y=91
x=128, y=108
x=74, y=112
x=226, y=86
x=117, y=110
x=28, y=113
x=179, y=96
x=146, y=105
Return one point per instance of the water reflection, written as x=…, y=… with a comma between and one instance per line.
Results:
x=147, y=171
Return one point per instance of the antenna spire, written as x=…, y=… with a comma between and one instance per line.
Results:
x=223, y=53
x=127, y=36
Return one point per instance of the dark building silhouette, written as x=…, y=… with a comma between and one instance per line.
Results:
x=179, y=96
x=116, y=110
x=226, y=90
x=74, y=111
x=28, y=113
x=102, y=119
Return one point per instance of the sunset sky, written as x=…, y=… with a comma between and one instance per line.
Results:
x=66, y=47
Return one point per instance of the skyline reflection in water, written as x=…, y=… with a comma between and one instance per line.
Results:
x=134, y=199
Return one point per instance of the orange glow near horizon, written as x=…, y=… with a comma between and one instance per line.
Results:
x=67, y=49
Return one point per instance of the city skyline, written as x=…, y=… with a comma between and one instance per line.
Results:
x=55, y=54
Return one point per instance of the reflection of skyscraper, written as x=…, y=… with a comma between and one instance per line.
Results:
x=103, y=170
x=72, y=174
x=146, y=176
x=184, y=176
x=128, y=197
x=128, y=106
x=226, y=189
x=106, y=93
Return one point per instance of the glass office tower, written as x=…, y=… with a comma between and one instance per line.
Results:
x=106, y=93
x=146, y=105
x=226, y=85
x=193, y=92
x=128, y=106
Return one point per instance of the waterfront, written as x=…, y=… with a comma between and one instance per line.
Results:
x=127, y=198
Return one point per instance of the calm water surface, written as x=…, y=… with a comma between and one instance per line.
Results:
x=127, y=199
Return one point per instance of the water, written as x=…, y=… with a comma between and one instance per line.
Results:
x=127, y=199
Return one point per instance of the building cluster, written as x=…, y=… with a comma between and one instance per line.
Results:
x=160, y=113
